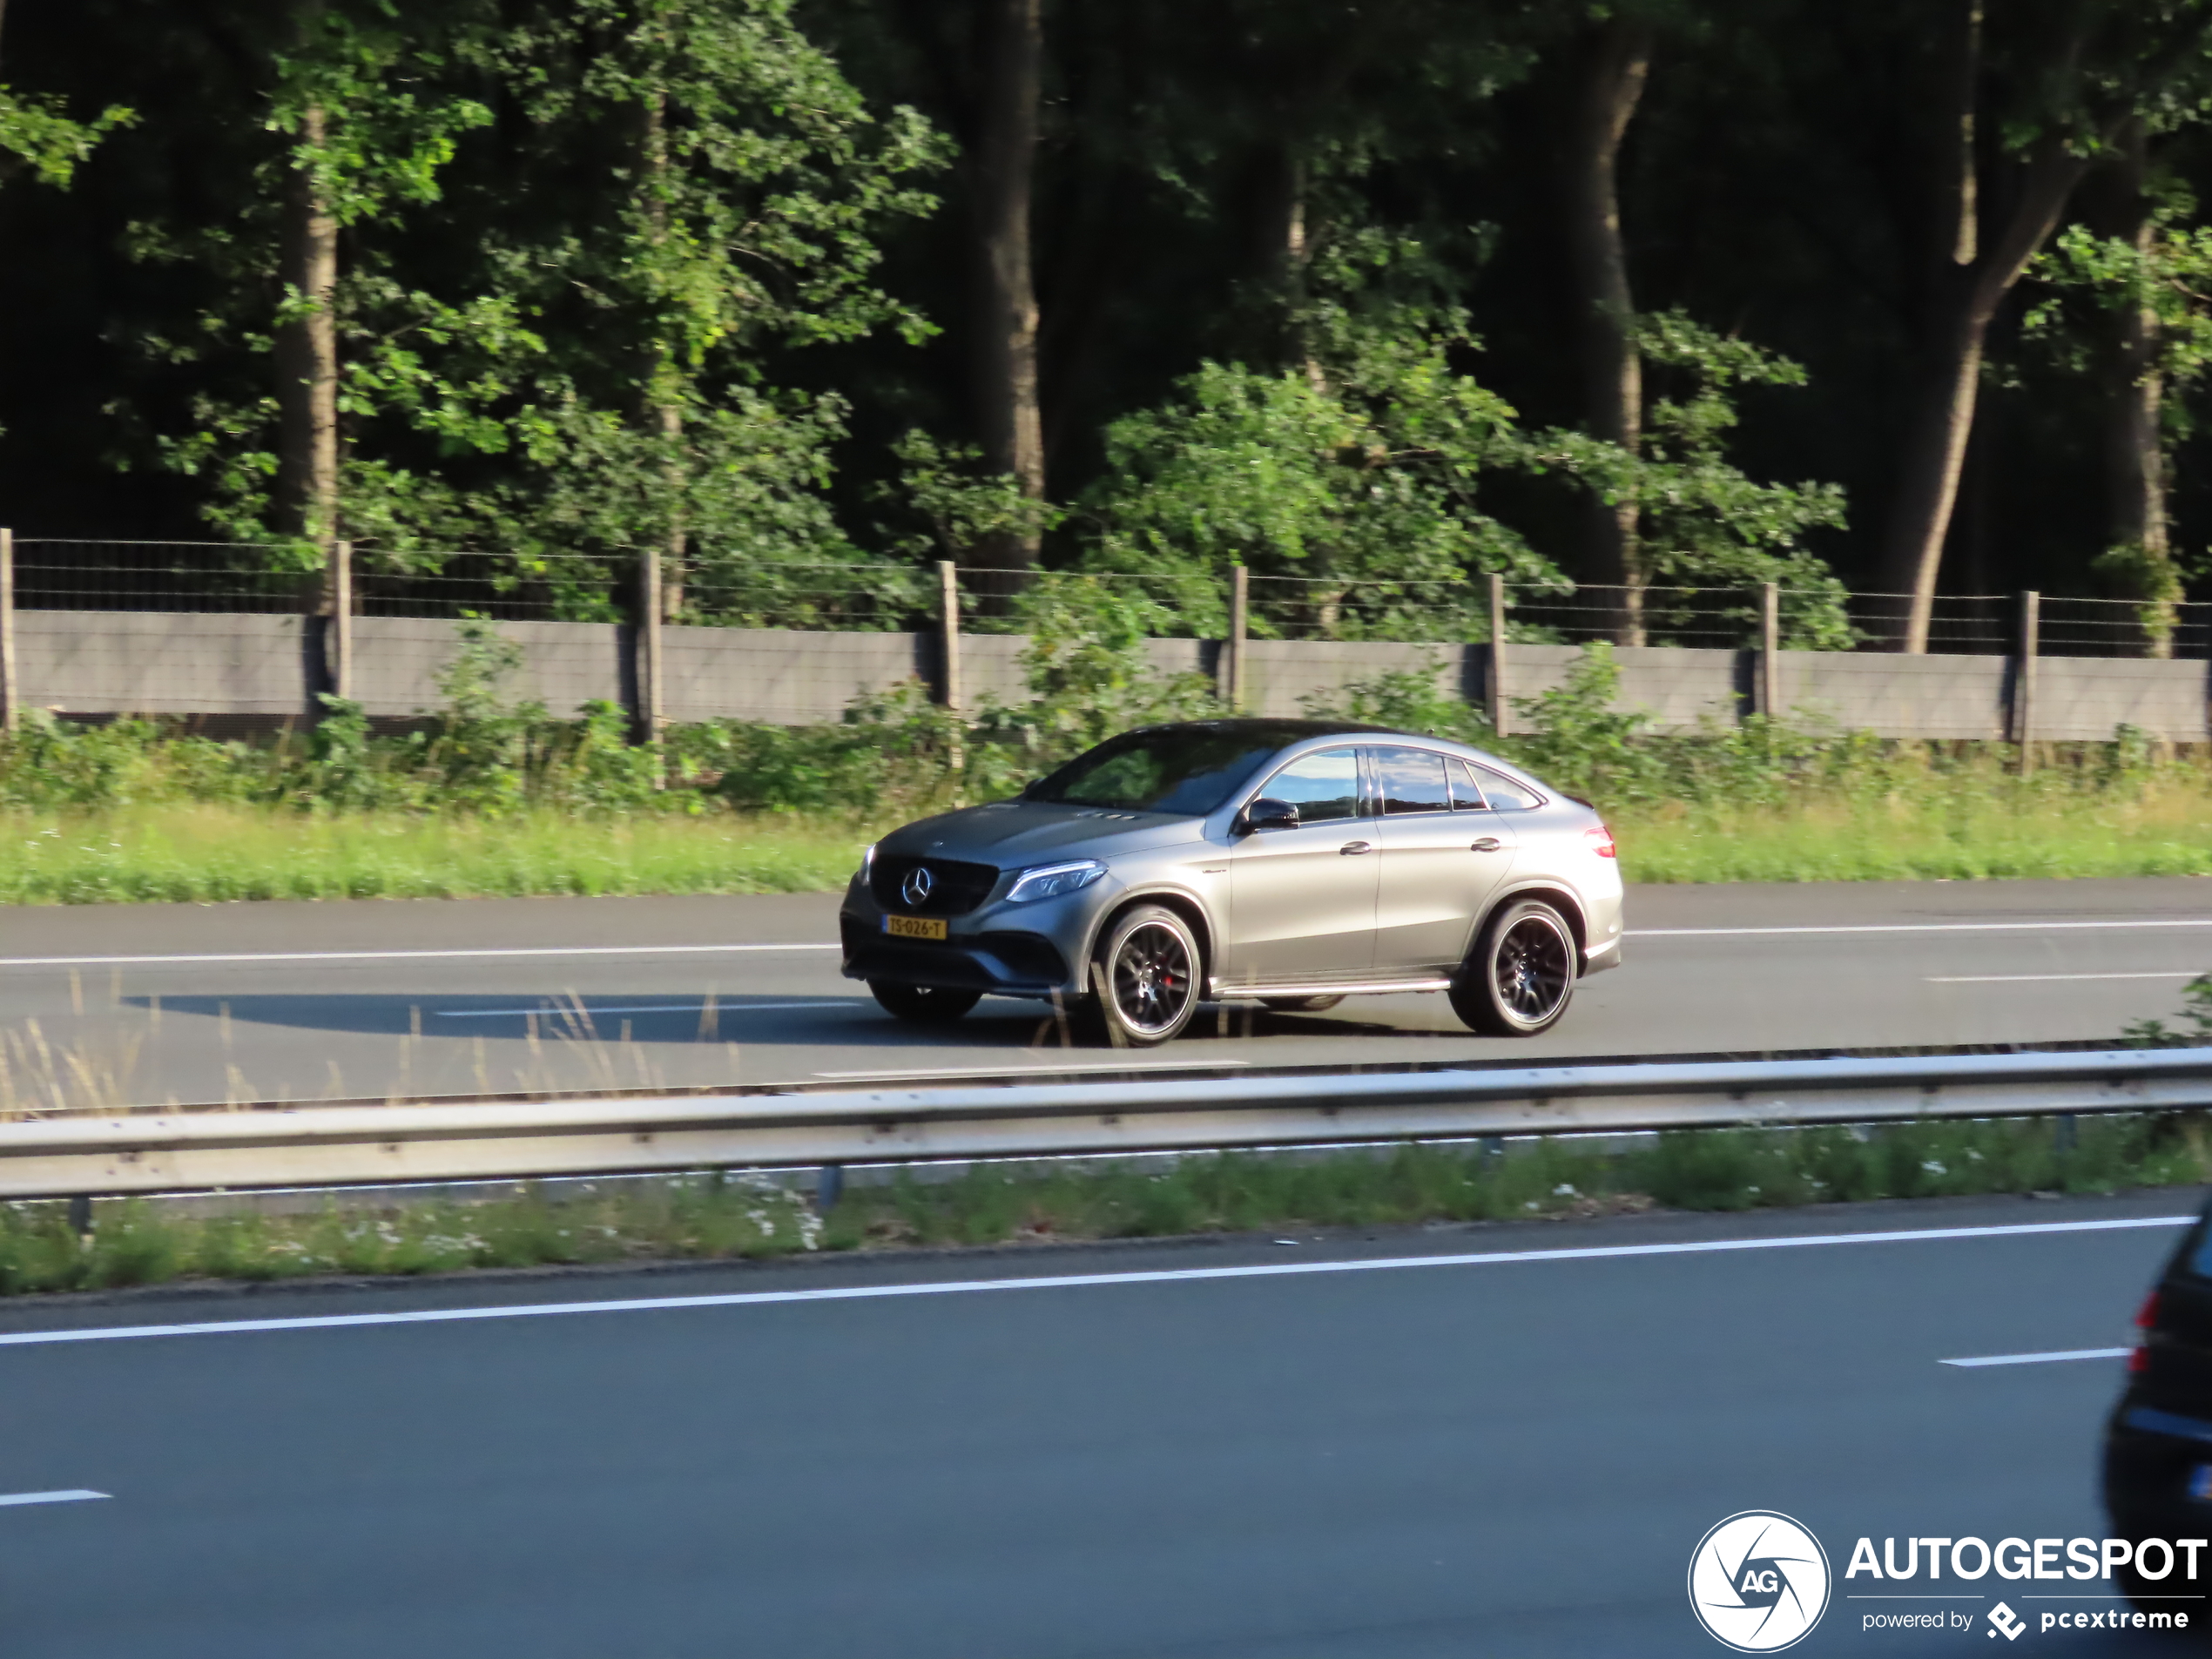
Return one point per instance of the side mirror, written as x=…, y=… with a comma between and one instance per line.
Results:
x=1268, y=813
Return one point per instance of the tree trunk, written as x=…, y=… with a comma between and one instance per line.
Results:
x=307, y=355
x=1618, y=63
x=1971, y=277
x=2135, y=451
x=1005, y=305
x=663, y=405
x=1936, y=439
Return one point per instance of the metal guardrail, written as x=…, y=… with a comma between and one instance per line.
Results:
x=349, y=1145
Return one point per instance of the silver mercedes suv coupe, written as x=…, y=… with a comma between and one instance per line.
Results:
x=1291, y=862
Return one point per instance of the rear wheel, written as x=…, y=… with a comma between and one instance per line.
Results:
x=1146, y=975
x=1299, y=1004
x=923, y=1004
x=1520, y=975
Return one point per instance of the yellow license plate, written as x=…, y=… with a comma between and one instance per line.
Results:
x=914, y=926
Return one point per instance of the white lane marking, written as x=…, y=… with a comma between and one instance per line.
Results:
x=1077, y=1281
x=556, y=1009
x=1037, y=1065
x=386, y=955
x=2038, y=1358
x=10, y=1499
x=1911, y=928
x=2026, y=978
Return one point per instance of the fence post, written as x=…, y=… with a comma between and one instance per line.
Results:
x=649, y=647
x=1496, y=685
x=1770, y=650
x=2023, y=677
x=948, y=633
x=338, y=643
x=1232, y=648
x=10, y=703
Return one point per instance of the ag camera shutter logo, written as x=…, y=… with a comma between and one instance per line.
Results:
x=1758, y=1582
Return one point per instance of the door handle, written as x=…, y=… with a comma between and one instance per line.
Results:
x=1350, y=848
x=1487, y=843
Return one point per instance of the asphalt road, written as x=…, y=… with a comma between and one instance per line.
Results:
x=144, y=1003
x=1496, y=1457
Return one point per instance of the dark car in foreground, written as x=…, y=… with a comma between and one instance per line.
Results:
x=1292, y=862
x=2158, y=1444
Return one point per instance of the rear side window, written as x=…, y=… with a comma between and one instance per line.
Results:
x=1504, y=794
x=1322, y=786
x=1467, y=794
x=1410, y=780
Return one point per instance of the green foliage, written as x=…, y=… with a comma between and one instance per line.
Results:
x=2196, y=1013
x=1702, y=523
x=35, y=131
x=959, y=505
x=1356, y=473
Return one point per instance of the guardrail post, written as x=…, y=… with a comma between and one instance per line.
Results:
x=338, y=642
x=1232, y=676
x=1770, y=650
x=9, y=704
x=2066, y=1135
x=948, y=689
x=80, y=1215
x=829, y=1188
x=1496, y=681
x=2023, y=677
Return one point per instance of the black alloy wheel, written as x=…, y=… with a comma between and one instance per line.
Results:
x=923, y=1004
x=1520, y=975
x=1145, y=975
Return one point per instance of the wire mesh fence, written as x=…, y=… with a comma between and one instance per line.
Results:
x=722, y=587
x=239, y=578
x=2070, y=627
x=1160, y=605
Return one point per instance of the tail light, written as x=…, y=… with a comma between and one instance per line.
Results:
x=1601, y=841
x=2146, y=1322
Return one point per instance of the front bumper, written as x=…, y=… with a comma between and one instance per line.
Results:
x=1006, y=950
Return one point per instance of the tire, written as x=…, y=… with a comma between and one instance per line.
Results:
x=1146, y=969
x=1299, y=1004
x=1519, y=977
x=922, y=1004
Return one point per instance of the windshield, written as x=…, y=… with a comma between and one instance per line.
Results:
x=1189, y=772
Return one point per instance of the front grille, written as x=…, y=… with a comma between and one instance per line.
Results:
x=955, y=887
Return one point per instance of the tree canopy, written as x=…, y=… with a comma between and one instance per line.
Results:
x=1698, y=293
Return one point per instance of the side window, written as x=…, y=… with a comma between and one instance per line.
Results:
x=1322, y=786
x=1504, y=795
x=1466, y=793
x=1410, y=780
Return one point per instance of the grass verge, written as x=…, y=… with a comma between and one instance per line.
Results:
x=1966, y=833
x=200, y=852
x=749, y=1217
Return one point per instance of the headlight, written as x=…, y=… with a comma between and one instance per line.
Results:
x=868, y=863
x=1054, y=880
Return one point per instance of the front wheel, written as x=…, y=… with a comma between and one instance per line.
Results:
x=923, y=1004
x=1521, y=974
x=1146, y=975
